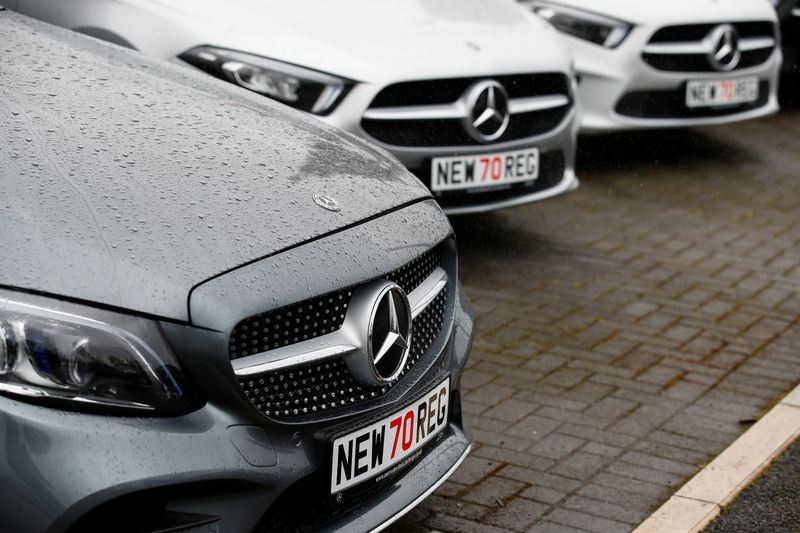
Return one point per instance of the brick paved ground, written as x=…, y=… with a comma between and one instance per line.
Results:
x=629, y=331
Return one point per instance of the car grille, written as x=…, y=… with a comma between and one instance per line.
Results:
x=672, y=104
x=681, y=48
x=325, y=387
x=419, y=96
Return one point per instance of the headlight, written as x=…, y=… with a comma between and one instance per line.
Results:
x=80, y=358
x=298, y=87
x=590, y=27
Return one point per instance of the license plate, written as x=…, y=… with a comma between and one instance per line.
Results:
x=372, y=450
x=710, y=93
x=470, y=171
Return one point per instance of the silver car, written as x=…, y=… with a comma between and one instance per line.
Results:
x=203, y=325
x=475, y=97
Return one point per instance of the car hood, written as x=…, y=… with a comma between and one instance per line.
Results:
x=126, y=181
x=367, y=40
x=677, y=11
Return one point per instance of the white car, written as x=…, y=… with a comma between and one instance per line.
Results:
x=675, y=63
x=476, y=97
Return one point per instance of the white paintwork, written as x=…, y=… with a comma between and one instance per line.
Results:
x=607, y=74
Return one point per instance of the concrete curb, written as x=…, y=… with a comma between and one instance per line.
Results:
x=702, y=498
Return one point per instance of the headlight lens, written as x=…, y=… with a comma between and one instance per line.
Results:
x=298, y=87
x=84, y=362
x=598, y=29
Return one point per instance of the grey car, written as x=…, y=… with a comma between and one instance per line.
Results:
x=216, y=313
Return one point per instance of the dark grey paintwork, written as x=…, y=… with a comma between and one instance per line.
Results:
x=126, y=181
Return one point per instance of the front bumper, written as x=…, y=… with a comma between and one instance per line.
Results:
x=61, y=467
x=558, y=145
x=608, y=76
x=224, y=466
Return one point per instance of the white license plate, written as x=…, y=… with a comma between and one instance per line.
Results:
x=372, y=450
x=470, y=171
x=710, y=93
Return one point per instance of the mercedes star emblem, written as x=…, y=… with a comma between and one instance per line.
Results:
x=488, y=116
x=724, y=53
x=327, y=202
x=383, y=309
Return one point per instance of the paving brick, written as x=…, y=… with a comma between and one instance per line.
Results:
x=603, y=450
x=674, y=453
x=596, y=435
x=490, y=394
x=686, y=391
x=645, y=474
x=629, y=499
x=556, y=446
x=546, y=362
x=473, y=469
x=575, y=417
x=681, y=333
x=543, y=494
x=586, y=521
x=605, y=510
x=445, y=522
x=533, y=427
x=627, y=484
x=510, y=410
x=567, y=377
x=500, y=440
x=580, y=465
x=611, y=407
x=535, y=478
x=589, y=392
x=453, y=507
x=658, y=463
x=660, y=375
x=517, y=514
x=505, y=455
x=551, y=527
x=493, y=491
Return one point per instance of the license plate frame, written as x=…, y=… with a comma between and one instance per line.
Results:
x=490, y=169
x=393, y=437
x=704, y=94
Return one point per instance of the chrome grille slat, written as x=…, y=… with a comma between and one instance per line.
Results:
x=458, y=110
x=705, y=47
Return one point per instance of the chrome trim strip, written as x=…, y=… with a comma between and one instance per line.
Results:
x=536, y=103
x=458, y=110
x=757, y=43
x=398, y=515
x=421, y=297
x=323, y=347
x=340, y=342
x=706, y=47
x=691, y=48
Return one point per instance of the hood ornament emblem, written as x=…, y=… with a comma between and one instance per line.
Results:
x=327, y=202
